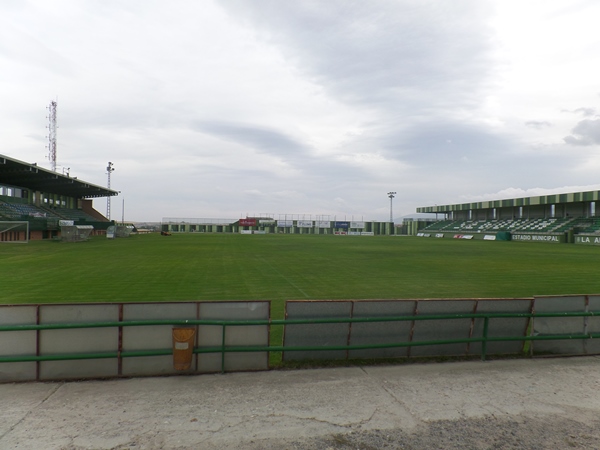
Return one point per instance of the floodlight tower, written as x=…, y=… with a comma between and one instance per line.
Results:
x=109, y=169
x=391, y=196
x=52, y=135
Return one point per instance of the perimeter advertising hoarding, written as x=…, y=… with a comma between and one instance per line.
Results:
x=304, y=224
x=247, y=222
x=322, y=223
x=344, y=224
x=285, y=223
x=357, y=224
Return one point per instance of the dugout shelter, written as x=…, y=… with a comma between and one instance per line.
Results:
x=42, y=198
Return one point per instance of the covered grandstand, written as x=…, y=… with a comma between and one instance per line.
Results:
x=43, y=198
x=550, y=218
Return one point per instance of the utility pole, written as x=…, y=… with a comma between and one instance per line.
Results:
x=109, y=169
x=391, y=196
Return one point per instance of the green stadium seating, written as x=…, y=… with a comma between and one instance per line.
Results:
x=538, y=225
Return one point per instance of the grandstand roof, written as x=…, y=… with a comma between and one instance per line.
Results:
x=30, y=176
x=554, y=199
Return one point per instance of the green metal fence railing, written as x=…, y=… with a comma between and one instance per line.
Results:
x=484, y=339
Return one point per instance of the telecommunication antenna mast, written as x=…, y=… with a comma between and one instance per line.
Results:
x=52, y=135
x=109, y=169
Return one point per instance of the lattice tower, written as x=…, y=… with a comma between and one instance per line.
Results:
x=52, y=127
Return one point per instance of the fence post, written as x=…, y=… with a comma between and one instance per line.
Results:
x=486, y=321
x=223, y=350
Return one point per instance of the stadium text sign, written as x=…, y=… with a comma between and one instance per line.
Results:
x=285, y=223
x=247, y=222
x=589, y=240
x=304, y=223
x=341, y=225
x=536, y=237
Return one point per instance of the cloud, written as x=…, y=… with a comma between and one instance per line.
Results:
x=538, y=125
x=260, y=138
x=586, y=112
x=392, y=55
x=585, y=133
x=20, y=47
x=436, y=143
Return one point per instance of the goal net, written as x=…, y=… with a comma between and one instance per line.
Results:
x=14, y=232
x=74, y=233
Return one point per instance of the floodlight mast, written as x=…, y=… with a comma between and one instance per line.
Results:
x=52, y=127
x=391, y=196
x=109, y=169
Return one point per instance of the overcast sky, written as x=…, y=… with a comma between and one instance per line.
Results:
x=219, y=109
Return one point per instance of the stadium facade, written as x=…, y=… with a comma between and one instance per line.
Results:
x=557, y=218
x=286, y=224
x=45, y=200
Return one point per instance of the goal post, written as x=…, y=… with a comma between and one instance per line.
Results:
x=14, y=232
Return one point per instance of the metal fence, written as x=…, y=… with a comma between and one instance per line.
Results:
x=227, y=325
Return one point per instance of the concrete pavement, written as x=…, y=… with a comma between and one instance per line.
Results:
x=282, y=409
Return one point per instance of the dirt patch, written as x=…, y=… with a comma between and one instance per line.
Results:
x=486, y=433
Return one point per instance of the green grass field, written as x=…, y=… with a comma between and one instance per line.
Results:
x=283, y=267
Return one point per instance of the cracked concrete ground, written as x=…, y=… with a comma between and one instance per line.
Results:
x=434, y=405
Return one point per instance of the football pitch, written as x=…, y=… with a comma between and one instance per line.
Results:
x=289, y=267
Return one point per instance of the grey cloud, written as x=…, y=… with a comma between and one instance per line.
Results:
x=394, y=54
x=538, y=125
x=585, y=133
x=586, y=112
x=276, y=143
x=437, y=143
x=260, y=138
x=24, y=48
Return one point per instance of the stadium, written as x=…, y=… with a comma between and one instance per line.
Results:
x=271, y=291
x=35, y=203
x=258, y=292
